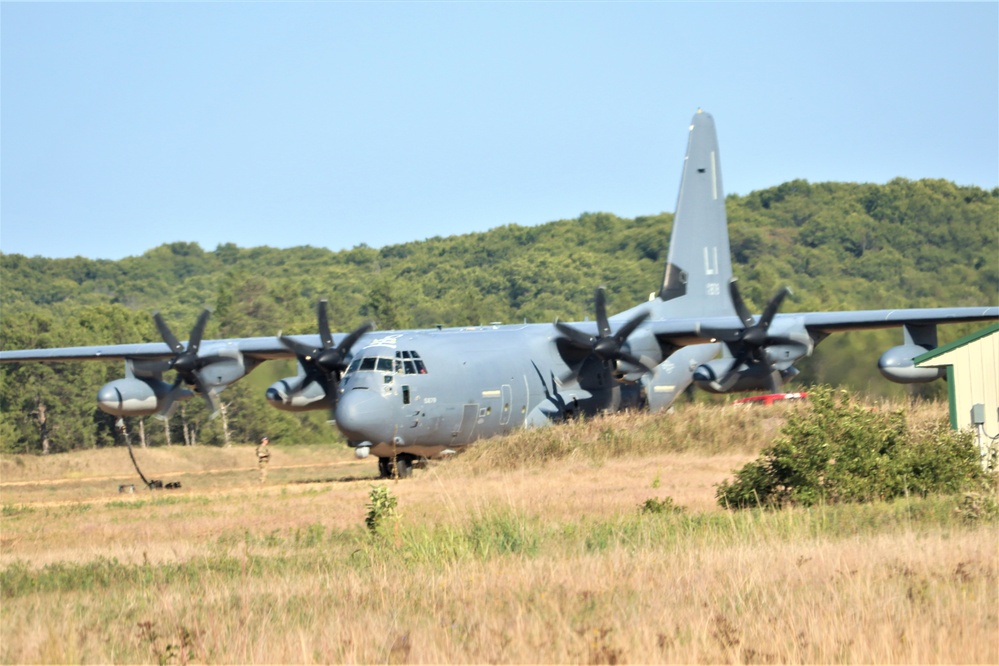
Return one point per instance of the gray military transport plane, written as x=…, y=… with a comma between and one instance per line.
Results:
x=400, y=395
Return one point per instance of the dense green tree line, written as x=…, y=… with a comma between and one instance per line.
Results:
x=926, y=243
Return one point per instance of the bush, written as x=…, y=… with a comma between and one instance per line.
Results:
x=838, y=450
x=655, y=505
x=381, y=509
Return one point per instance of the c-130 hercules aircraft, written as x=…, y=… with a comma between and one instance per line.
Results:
x=400, y=395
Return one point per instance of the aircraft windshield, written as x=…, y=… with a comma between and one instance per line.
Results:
x=404, y=363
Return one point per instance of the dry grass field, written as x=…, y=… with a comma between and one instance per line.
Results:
x=528, y=549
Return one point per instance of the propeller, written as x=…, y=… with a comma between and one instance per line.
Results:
x=327, y=362
x=186, y=361
x=606, y=346
x=749, y=342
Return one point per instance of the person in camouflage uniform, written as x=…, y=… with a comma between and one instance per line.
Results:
x=263, y=457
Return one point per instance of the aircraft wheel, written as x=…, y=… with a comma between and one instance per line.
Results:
x=385, y=468
x=404, y=465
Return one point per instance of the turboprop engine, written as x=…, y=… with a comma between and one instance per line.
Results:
x=896, y=365
x=624, y=354
x=758, y=357
x=135, y=396
x=317, y=383
x=294, y=394
x=142, y=391
x=750, y=378
x=643, y=346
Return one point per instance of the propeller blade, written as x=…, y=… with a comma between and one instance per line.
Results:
x=168, y=337
x=634, y=360
x=600, y=302
x=307, y=351
x=312, y=374
x=353, y=337
x=324, y=325
x=775, y=382
x=333, y=360
x=747, y=344
x=209, y=394
x=740, y=305
x=607, y=346
x=323, y=364
x=768, y=313
x=169, y=405
x=629, y=327
x=731, y=375
x=575, y=336
x=170, y=401
x=186, y=363
x=572, y=373
x=194, y=343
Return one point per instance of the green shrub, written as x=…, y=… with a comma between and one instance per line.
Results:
x=656, y=505
x=838, y=450
x=381, y=508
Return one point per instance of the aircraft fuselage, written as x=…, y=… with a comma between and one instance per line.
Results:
x=424, y=392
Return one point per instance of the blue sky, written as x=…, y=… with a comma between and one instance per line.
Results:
x=127, y=125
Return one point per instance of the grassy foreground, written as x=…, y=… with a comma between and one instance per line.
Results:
x=595, y=542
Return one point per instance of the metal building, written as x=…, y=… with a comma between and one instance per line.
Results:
x=972, y=364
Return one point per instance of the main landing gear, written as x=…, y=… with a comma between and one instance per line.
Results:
x=400, y=466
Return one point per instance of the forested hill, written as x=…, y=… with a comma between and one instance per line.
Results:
x=907, y=243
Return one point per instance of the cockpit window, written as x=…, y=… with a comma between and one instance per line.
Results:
x=410, y=363
x=404, y=363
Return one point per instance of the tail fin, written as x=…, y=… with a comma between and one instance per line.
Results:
x=699, y=263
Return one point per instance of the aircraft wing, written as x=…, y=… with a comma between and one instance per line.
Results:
x=255, y=348
x=834, y=322
x=678, y=332
x=681, y=332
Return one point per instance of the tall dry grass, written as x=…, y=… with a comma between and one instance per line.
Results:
x=504, y=555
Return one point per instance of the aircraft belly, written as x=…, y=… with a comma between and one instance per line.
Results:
x=422, y=450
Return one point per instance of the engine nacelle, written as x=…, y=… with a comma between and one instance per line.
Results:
x=230, y=366
x=753, y=378
x=707, y=374
x=786, y=353
x=896, y=365
x=674, y=375
x=642, y=344
x=309, y=397
x=134, y=396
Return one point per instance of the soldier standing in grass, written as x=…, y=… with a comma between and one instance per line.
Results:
x=263, y=457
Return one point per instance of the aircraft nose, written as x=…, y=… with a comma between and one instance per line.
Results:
x=359, y=415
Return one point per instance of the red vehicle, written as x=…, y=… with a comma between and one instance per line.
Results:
x=769, y=399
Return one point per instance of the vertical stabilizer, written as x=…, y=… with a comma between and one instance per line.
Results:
x=699, y=263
